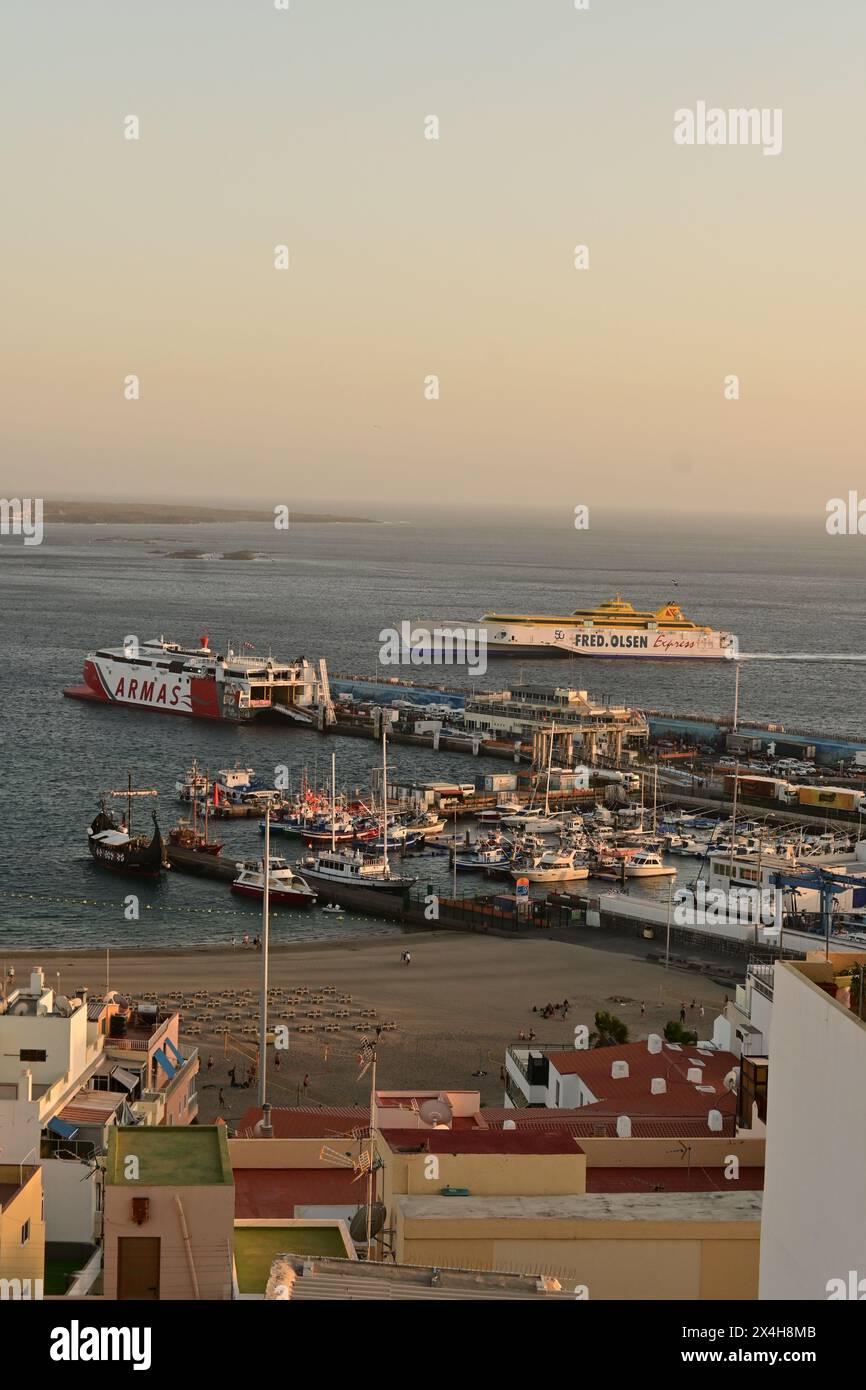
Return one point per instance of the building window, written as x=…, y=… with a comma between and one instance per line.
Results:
x=32, y=1054
x=25, y=1233
x=556, y=1096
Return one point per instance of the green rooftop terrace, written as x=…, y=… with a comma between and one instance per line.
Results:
x=168, y=1156
x=256, y=1248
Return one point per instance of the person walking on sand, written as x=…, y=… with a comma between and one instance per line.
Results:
x=408, y=958
x=210, y=1062
x=221, y=1100
x=306, y=1081
x=682, y=1013
x=642, y=1008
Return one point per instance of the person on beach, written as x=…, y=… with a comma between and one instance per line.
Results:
x=642, y=1008
x=221, y=1100
x=682, y=1013
x=246, y=940
x=408, y=958
x=210, y=1062
x=306, y=1081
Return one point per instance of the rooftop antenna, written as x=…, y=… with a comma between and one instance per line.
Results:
x=384, y=798
x=263, y=1005
x=368, y=1056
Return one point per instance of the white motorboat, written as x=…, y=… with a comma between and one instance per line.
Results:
x=646, y=864
x=284, y=885
x=534, y=822
x=554, y=866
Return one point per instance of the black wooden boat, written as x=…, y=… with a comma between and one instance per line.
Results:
x=113, y=845
x=114, y=848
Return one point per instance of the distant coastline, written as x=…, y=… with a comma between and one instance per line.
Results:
x=146, y=513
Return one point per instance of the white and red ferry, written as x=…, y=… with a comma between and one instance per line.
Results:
x=204, y=684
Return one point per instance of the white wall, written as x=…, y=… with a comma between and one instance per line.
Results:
x=70, y=1200
x=813, y=1227
x=20, y=1130
x=64, y=1041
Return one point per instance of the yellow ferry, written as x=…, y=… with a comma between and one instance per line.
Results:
x=614, y=629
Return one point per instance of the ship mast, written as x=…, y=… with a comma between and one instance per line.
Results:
x=385, y=795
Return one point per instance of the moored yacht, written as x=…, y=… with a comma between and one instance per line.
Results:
x=284, y=885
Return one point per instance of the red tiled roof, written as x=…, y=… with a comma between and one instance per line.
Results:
x=306, y=1121
x=587, y=1123
x=672, y=1180
x=275, y=1192
x=632, y=1095
x=526, y=1140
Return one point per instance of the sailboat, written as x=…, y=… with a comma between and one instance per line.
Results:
x=353, y=866
x=187, y=844
x=538, y=823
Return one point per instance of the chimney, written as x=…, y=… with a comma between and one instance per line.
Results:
x=619, y=1070
x=37, y=980
x=658, y=1086
x=265, y=1128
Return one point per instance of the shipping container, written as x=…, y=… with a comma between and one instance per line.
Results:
x=831, y=798
x=742, y=743
x=500, y=782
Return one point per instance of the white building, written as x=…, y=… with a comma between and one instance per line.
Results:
x=813, y=1228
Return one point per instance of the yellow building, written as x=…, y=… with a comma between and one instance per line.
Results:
x=22, y=1232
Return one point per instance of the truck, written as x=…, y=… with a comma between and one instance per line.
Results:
x=831, y=798
x=768, y=788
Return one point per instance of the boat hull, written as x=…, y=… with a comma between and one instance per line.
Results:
x=279, y=897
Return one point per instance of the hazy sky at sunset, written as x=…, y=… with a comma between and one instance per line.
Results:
x=411, y=257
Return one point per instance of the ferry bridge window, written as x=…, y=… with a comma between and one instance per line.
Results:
x=32, y=1054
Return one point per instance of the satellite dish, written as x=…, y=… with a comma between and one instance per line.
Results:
x=436, y=1112
x=358, y=1224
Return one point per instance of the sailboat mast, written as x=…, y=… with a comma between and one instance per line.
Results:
x=129, y=804
x=549, y=765
x=206, y=792
x=385, y=794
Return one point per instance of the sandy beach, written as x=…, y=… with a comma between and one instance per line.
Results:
x=457, y=1005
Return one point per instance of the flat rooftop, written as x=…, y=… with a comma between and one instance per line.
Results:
x=637, y=1207
x=481, y=1141
x=170, y=1156
x=257, y=1247
x=276, y=1192
x=306, y=1121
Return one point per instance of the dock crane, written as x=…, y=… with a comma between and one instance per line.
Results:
x=826, y=883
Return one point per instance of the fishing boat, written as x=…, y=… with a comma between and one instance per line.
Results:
x=284, y=885
x=188, y=843
x=483, y=858
x=113, y=845
x=354, y=866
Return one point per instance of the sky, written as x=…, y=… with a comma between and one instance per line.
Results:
x=412, y=258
